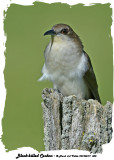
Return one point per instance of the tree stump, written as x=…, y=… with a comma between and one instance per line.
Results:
x=70, y=123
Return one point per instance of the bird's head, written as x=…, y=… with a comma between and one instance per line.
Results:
x=61, y=30
x=64, y=33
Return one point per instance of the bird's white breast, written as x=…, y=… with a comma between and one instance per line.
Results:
x=65, y=67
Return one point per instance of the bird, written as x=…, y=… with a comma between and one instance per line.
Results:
x=67, y=65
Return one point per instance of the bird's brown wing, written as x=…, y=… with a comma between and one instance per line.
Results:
x=90, y=79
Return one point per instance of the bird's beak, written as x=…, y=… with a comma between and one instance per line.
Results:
x=50, y=32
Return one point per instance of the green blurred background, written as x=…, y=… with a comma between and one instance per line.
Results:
x=24, y=27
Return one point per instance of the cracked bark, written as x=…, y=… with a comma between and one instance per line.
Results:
x=75, y=124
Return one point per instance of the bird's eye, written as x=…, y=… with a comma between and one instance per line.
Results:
x=64, y=31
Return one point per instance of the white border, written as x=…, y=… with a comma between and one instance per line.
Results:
x=4, y=4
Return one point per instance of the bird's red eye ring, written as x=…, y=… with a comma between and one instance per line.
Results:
x=64, y=31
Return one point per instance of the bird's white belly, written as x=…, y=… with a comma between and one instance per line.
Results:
x=71, y=86
x=65, y=67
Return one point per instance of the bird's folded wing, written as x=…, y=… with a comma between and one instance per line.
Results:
x=90, y=79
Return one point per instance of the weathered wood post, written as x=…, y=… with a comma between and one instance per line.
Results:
x=75, y=124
